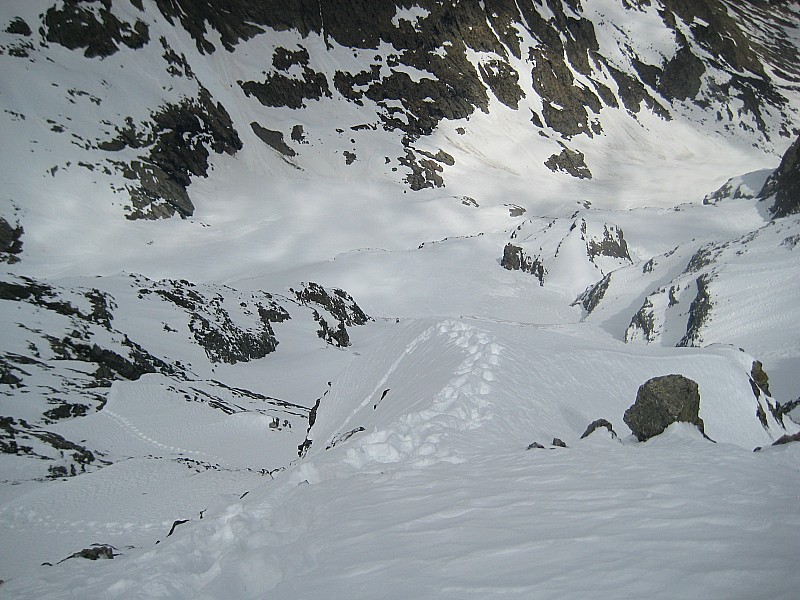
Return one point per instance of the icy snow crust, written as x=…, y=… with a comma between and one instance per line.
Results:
x=437, y=496
x=418, y=482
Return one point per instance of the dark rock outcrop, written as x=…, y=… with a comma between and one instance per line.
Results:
x=612, y=244
x=760, y=377
x=339, y=305
x=273, y=139
x=590, y=299
x=784, y=439
x=10, y=241
x=97, y=551
x=699, y=312
x=662, y=401
x=279, y=89
x=18, y=26
x=569, y=161
x=784, y=184
x=559, y=443
x=99, y=32
x=178, y=141
x=787, y=439
x=337, y=302
x=515, y=259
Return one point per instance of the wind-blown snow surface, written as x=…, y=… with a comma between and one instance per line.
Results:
x=427, y=489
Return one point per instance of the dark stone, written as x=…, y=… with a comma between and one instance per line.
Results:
x=302, y=449
x=273, y=139
x=18, y=26
x=241, y=19
x=633, y=93
x=597, y=424
x=644, y=321
x=662, y=401
x=25, y=289
x=178, y=141
x=127, y=368
x=175, y=524
x=279, y=90
x=784, y=184
x=704, y=257
x=762, y=416
x=6, y=375
x=156, y=186
x=343, y=437
x=80, y=454
x=341, y=307
x=298, y=135
x=535, y=446
x=559, y=443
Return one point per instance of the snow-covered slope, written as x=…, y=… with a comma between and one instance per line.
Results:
x=519, y=200
x=418, y=481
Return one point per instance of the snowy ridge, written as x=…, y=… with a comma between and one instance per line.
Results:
x=465, y=445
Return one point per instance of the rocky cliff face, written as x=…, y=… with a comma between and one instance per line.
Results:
x=783, y=186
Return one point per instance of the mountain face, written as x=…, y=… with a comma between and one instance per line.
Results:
x=397, y=71
x=310, y=250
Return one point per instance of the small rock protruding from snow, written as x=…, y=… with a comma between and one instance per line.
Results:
x=662, y=401
x=596, y=425
x=96, y=552
x=559, y=443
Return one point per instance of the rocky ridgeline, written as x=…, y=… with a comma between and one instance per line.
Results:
x=66, y=347
x=540, y=58
x=538, y=247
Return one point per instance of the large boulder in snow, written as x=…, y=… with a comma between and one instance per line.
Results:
x=662, y=401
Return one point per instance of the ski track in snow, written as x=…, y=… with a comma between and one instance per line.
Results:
x=417, y=438
x=26, y=518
